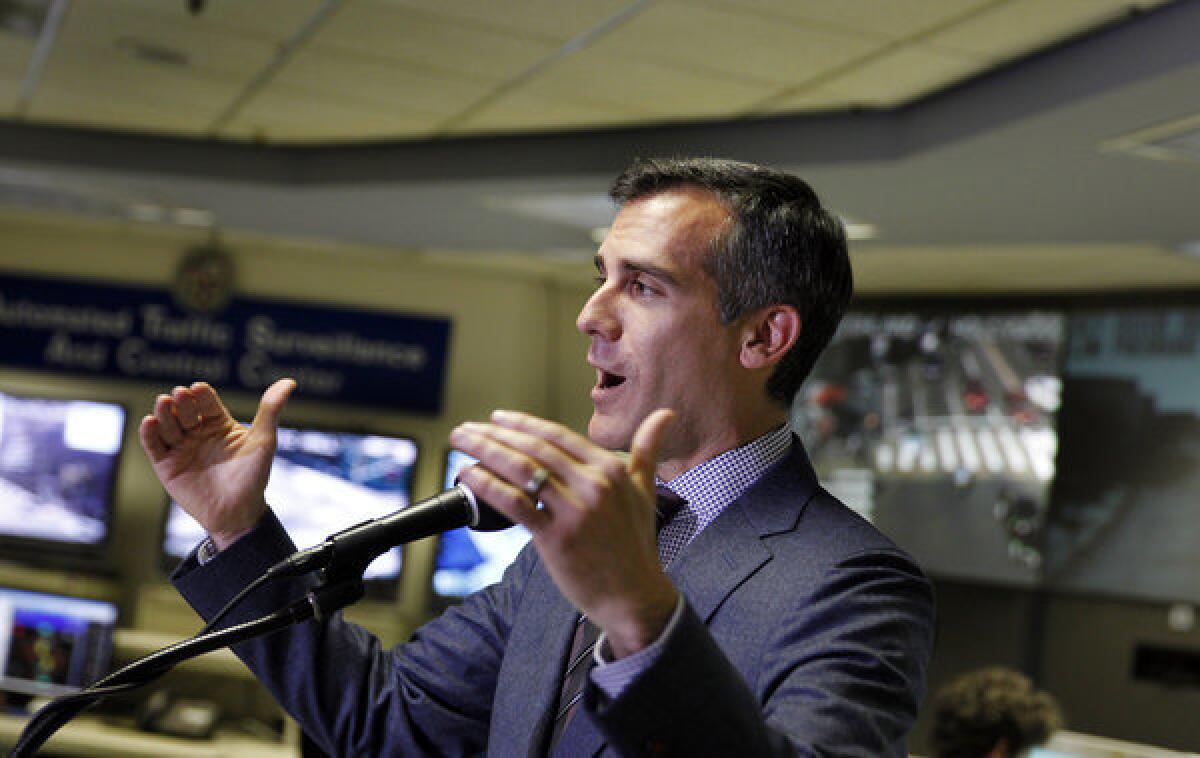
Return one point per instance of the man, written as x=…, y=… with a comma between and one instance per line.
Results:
x=765, y=618
x=991, y=713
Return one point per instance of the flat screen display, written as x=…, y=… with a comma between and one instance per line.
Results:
x=940, y=429
x=51, y=645
x=323, y=482
x=1128, y=491
x=58, y=463
x=467, y=560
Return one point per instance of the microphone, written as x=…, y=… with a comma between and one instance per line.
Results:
x=351, y=550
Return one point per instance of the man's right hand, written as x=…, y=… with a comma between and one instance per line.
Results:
x=214, y=467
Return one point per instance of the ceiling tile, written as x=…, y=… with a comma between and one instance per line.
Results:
x=385, y=83
x=110, y=28
x=419, y=39
x=889, y=19
x=1022, y=26
x=658, y=90
x=14, y=60
x=274, y=20
x=727, y=43
x=287, y=113
x=85, y=71
x=808, y=99
x=553, y=19
x=521, y=111
x=902, y=75
x=131, y=112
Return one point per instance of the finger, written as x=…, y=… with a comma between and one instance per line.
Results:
x=572, y=442
x=505, y=498
x=168, y=425
x=647, y=446
x=524, y=453
x=208, y=403
x=502, y=457
x=185, y=409
x=152, y=442
x=266, y=420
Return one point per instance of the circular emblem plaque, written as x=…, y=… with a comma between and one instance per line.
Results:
x=204, y=280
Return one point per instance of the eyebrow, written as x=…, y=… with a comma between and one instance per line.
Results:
x=646, y=268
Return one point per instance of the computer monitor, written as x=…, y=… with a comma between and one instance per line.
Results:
x=58, y=463
x=321, y=483
x=467, y=560
x=51, y=645
x=1128, y=483
x=938, y=424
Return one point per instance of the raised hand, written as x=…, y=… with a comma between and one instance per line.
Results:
x=595, y=533
x=214, y=467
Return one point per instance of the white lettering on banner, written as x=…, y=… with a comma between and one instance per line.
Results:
x=256, y=370
x=136, y=358
x=79, y=320
x=159, y=325
x=64, y=351
x=263, y=335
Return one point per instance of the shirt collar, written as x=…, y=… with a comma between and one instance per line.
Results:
x=711, y=486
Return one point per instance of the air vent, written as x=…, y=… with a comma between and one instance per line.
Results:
x=23, y=18
x=151, y=52
x=1177, y=140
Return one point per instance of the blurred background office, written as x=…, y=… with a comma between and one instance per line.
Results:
x=397, y=201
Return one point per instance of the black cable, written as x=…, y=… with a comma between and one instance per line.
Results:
x=237, y=599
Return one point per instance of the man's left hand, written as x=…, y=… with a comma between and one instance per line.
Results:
x=595, y=530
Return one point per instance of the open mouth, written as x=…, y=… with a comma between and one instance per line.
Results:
x=609, y=380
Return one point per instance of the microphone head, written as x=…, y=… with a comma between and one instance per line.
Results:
x=485, y=517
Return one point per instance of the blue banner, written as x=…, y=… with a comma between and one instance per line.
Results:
x=116, y=331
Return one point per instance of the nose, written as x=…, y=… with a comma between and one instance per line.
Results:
x=598, y=316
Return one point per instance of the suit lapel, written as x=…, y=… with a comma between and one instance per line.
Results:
x=731, y=548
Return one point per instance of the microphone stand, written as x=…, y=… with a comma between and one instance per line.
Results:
x=336, y=591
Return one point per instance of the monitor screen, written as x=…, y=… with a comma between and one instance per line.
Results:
x=939, y=427
x=323, y=482
x=58, y=462
x=1129, y=471
x=51, y=645
x=468, y=560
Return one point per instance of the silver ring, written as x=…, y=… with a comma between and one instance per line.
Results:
x=536, y=482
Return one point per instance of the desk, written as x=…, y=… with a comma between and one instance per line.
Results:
x=86, y=737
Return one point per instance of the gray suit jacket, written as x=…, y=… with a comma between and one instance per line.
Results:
x=805, y=632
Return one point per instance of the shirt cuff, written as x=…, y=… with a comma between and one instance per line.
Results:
x=206, y=551
x=612, y=677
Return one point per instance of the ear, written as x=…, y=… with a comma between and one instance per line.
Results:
x=768, y=334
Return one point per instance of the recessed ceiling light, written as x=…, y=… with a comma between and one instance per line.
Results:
x=857, y=231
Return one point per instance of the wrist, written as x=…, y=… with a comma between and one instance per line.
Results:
x=231, y=533
x=644, y=622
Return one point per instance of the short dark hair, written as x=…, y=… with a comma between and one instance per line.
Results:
x=782, y=248
x=974, y=712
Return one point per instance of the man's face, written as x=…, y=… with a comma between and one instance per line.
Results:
x=656, y=337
